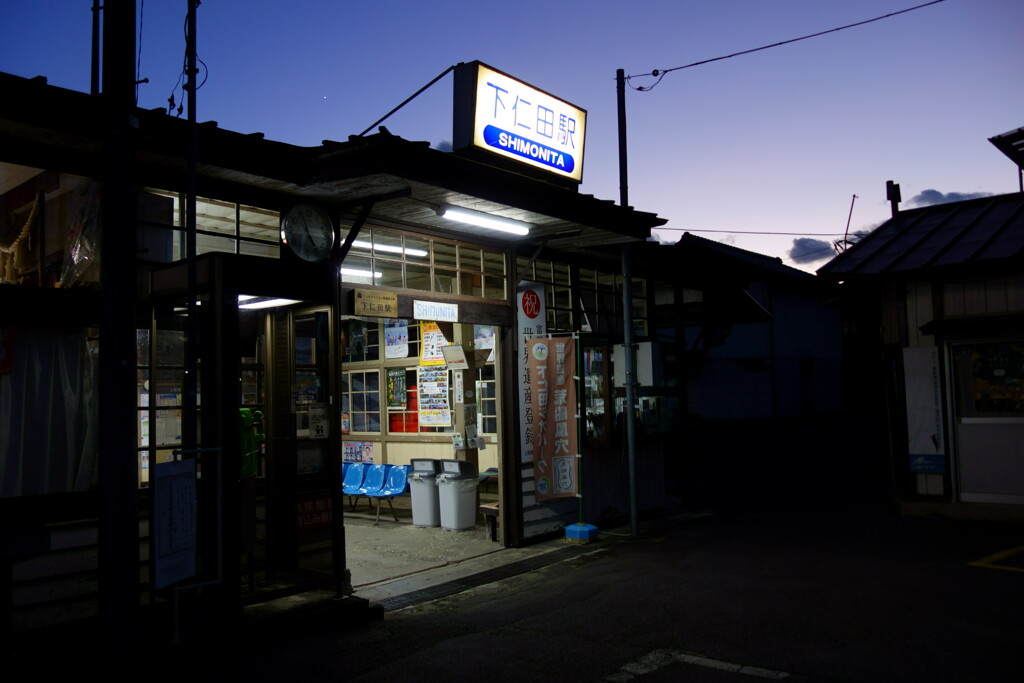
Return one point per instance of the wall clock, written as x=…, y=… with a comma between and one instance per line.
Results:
x=308, y=233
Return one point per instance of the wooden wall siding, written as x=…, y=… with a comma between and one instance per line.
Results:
x=906, y=307
x=984, y=297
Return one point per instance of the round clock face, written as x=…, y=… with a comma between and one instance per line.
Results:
x=308, y=232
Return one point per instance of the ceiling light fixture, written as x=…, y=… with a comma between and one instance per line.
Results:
x=267, y=303
x=484, y=220
x=357, y=272
x=390, y=248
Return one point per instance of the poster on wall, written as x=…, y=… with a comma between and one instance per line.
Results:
x=431, y=342
x=318, y=421
x=397, y=394
x=357, y=451
x=550, y=364
x=483, y=338
x=356, y=338
x=432, y=387
x=396, y=338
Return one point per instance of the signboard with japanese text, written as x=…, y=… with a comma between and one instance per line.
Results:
x=502, y=115
x=531, y=321
x=174, y=521
x=371, y=302
x=551, y=363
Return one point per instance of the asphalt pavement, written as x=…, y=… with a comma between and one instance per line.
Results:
x=851, y=594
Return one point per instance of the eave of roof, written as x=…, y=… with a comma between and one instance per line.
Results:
x=41, y=123
x=972, y=233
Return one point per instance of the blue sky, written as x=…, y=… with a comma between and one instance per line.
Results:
x=776, y=142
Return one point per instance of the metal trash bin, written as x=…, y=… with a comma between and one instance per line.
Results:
x=423, y=490
x=456, y=484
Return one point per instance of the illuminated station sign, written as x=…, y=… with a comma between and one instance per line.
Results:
x=499, y=114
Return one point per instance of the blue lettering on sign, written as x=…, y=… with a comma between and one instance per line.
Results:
x=520, y=146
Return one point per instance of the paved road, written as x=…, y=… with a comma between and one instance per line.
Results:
x=799, y=595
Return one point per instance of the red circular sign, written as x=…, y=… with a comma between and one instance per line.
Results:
x=531, y=303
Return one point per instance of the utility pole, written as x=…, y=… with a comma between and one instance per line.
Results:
x=627, y=314
x=118, y=524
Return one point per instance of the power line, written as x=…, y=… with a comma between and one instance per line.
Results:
x=756, y=232
x=660, y=73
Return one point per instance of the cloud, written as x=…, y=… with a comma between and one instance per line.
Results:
x=930, y=197
x=444, y=146
x=807, y=250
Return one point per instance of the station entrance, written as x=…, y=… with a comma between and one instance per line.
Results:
x=312, y=386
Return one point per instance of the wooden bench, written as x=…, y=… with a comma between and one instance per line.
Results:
x=490, y=513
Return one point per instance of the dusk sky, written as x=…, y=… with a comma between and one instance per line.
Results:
x=776, y=141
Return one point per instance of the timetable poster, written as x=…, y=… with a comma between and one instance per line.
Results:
x=434, y=408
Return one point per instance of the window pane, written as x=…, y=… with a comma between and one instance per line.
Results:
x=444, y=254
x=494, y=287
x=471, y=284
x=215, y=216
x=362, y=245
x=259, y=223
x=387, y=244
x=417, y=249
x=494, y=263
x=470, y=259
x=417, y=277
x=444, y=281
x=357, y=270
x=209, y=243
x=391, y=273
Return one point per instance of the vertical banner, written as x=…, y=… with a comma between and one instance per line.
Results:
x=550, y=367
x=925, y=440
x=531, y=321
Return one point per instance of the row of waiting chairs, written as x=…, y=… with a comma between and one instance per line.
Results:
x=382, y=482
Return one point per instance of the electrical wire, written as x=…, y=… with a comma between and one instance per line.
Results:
x=756, y=232
x=658, y=74
x=179, y=106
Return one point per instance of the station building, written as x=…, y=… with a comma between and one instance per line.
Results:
x=123, y=355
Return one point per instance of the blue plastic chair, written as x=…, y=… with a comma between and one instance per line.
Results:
x=396, y=484
x=375, y=477
x=353, y=479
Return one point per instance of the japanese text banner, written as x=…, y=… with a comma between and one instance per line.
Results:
x=551, y=363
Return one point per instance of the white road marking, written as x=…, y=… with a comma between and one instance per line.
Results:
x=658, y=659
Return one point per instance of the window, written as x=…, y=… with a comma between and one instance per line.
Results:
x=220, y=227
x=360, y=401
x=388, y=258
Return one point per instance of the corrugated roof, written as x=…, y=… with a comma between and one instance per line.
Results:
x=974, y=232
x=1012, y=145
